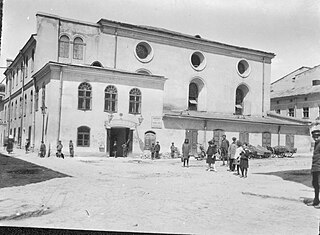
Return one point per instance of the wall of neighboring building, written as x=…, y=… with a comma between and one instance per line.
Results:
x=305, y=79
x=287, y=82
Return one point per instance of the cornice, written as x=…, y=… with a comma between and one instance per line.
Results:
x=181, y=40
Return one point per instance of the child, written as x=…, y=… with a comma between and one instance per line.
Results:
x=211, y=157
x=238, y=153
x=244, y=161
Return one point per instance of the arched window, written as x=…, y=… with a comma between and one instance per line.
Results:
x=110, y=99
x=31, y=101
x=193, y=96
x=97, y=64
x=135, y=101
x=32, y=61
x=78, y=49
x=25, y=105
x=83, y=136
x=84, y=96
x=149, y=139
x=242, y=105
x=64, y=43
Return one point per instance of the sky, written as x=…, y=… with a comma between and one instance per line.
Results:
x=288, y=28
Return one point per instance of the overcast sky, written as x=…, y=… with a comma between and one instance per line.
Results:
x=288, y=28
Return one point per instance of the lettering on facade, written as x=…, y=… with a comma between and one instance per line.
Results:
x=156, y=122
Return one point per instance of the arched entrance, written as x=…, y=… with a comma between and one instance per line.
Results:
x=116, y=137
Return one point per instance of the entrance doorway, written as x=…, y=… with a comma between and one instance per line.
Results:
x=192, y=136
x=120, y=136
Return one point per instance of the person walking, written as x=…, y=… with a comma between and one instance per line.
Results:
x=224, y=150
x=59, y=153
x=71, y=148
x=185, y=149
x=211, y=156
x=157, y=150
x=152, y=150
x=232, y=152
x=315, y=168
x=125, y=148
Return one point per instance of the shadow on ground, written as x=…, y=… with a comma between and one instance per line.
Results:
x=16, y=172
x=299, y=176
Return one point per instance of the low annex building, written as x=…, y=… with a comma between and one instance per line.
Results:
x=110, y=82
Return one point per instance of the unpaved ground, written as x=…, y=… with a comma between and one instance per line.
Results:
x=161, y=196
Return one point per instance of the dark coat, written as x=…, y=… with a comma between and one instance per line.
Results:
x=157, y=147
x=316, y=157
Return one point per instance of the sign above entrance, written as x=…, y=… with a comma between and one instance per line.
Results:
x=120, y=123
x=156, y=122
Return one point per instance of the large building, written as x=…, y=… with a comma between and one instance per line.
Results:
x=297, y=94
x=106, y=82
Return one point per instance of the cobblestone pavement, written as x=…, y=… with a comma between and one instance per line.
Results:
x=133, y=194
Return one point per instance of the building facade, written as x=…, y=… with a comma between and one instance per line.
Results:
x=297, y=95
x=108, y=82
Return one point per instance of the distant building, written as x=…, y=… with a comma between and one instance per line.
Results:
x=107, y=83
x=297, y=94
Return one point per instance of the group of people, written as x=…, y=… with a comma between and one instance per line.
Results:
x=59, y=153
x=234, y=155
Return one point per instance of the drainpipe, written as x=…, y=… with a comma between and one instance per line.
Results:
x=22, y=107
x=205, y=133
x=115, y=49
x=34, y=114
x=263, y=61
x=60, y=104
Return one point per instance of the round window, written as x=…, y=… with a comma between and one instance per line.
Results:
x=143, y=52
x=198, y=61
x=243, y=68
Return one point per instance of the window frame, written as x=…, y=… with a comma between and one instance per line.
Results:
x=305, y=112
x=78, y=49
x=64, y=46
x=112, y=101
x=83, y=105
x=83, y=133
x=135, y=103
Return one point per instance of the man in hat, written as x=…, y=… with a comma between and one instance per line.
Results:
x=315, y=169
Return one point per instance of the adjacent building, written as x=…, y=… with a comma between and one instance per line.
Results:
x=297, y=94
x=108, y=83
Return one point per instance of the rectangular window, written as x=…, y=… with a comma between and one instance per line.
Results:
x=36, y=97
x=110, y=102
x=306, y=112
x=266, y=139
x=291, y=112
x=64, y=49
x=278, y=111
x=134, y=105
x=26, y=64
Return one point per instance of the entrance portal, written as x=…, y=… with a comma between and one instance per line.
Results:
x=119, y=136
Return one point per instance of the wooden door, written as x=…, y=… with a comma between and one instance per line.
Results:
x=192, y=136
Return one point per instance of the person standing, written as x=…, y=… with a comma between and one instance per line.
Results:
x=27, y=146
x=157, y=150
x=185, y=149
x=315, y=168
x=173, y=150
x=244, y=161
x=152, y=150
x=71, y=148
x=114, y=149
x=59, y=150
x=43, y=149
x=238, y=154
x=211, y=155
x=224, y=150
x=232, y=152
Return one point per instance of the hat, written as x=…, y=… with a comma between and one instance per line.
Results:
x=315, y=130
